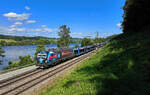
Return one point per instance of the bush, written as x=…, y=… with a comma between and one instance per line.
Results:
x=136, y=16
x=76, y=46
x=86, y=42
x=23, y=60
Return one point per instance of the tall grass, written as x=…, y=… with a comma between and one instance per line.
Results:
x=122, y=67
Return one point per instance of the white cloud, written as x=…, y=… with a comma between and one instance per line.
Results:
x=42, y=30
x=27, y=7
x=15, y=25
x=44, y=26
x=17, y=29
x=12, y=31
x=21, y=29
x=11, y=14
x=35, y=30
x=18, y=23
x=76, y=33
x=16, y=17
x=25, y=29
x=30, y=21
x=4, y=29
x=119, y=25
x=46, y=29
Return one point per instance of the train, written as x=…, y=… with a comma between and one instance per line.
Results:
x=53, y=56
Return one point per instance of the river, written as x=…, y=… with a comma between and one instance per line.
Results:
x=12, y=53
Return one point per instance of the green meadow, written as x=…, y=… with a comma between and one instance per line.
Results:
x=121, y=67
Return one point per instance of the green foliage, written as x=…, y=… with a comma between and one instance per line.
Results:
x=23, y=60
x=21, y=40
x=97, y=39
x=43, y=41
x=136, y=16
x=38, y=49
x=75, y=40
x=1, y=54
x=86, y=42
x=76, y=46
x=111, y=37
x=122, y=67
x=65, y=38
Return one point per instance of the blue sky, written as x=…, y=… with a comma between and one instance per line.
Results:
x=44, y=17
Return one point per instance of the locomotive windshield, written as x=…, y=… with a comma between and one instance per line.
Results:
x=42, y=55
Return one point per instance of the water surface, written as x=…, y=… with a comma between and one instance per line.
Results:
x=12, y=53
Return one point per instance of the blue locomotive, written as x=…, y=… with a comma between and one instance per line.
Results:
x=55, y=56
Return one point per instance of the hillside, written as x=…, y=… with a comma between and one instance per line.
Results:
x=122, y=67
x=20, y=38
x=8, y=40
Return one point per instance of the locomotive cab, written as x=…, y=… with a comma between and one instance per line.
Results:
x=41, y=58
x=52, y=56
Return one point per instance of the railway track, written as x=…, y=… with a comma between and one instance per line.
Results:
x=25, y=81
x=17, y=78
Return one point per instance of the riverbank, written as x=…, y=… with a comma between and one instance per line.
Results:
x=8, y=40
x=119, y=68
x=12, y=53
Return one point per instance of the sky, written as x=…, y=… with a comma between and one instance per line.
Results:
x=44, y=17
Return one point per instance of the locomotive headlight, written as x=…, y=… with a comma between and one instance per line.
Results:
x=46, y=61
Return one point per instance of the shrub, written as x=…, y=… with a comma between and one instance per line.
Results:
x=136, y=16
x=23, y=60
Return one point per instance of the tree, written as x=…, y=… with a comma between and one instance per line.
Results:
x=43, y=41
x=1, y=54
x=64, y=35
x=24, y=60
x=38, y=49
x=96, y=40
x=76, y=46
x=86, y=42
x=136, y=16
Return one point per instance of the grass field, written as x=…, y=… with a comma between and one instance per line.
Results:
x=122, y=67
x=8, y=40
